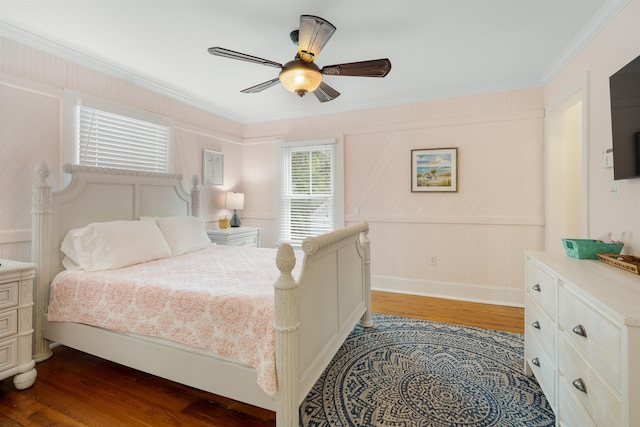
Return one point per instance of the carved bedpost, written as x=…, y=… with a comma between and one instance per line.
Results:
x=366, y=321
x=286, y=327
x=41, y=210
x=195, y=196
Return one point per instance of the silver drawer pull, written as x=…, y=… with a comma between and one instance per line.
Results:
x=579, y=330
x=579, y=384
x=536, y=287
x=536, y=324
x=536, y=361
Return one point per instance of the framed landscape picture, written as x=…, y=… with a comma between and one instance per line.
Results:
x=212, y=167
x=434, y=169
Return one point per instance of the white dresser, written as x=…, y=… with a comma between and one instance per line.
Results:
x=582, y=339
x=16, y=330
x=236, y=236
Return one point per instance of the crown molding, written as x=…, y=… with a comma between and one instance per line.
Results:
x=28, y=38
x=609, y=10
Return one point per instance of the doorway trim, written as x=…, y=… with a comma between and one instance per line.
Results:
x=554, y=130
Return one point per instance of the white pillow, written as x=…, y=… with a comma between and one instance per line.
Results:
x=184, y=234
x=67, y=247
x=69, y=264
x=116, y=244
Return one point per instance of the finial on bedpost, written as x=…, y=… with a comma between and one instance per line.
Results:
x=195, y=196
x=41, y=210
x=286, y=327
x=366, y=321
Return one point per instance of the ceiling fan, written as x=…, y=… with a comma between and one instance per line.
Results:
x=302, y=75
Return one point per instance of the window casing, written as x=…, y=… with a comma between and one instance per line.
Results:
x=311, y=189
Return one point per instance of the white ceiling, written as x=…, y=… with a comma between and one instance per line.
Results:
x=438, y=48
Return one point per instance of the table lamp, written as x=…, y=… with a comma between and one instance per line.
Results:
x=235, y=201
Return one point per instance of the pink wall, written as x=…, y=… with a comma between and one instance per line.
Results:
x=477, y=235
x=614, y=47
x=32, y=88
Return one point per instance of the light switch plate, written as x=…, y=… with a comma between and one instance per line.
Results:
x=615, y=190
x=607, y=158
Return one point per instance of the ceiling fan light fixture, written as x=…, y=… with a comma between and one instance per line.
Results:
x=299, y=77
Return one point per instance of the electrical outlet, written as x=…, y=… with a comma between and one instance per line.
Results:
x=433, y=260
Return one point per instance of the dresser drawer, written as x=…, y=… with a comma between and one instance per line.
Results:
x=542, y=367
x=8, y=295
x=541, y=286
x=8, y=323
x=8, y=355
x=597, y=398
x=571, y=413
x=601, y=342
x=539, y=325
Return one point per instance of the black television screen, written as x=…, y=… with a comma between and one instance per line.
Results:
x=624, y=88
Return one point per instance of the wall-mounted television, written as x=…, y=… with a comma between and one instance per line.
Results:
x=624, y=88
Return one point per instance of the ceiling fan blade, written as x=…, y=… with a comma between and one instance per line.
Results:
x=373, y=68
x=226, y=53
x=262, y=86
x=313, y=34
x=325, y=93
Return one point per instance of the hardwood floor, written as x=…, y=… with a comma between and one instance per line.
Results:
x=76, y=389
x=510, y=319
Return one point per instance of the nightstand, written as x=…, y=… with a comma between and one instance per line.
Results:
x=16, y=329
x=236, y=236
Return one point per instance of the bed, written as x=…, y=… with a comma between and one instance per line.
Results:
x=313, y=314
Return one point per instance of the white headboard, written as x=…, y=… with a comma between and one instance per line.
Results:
x=97, y=194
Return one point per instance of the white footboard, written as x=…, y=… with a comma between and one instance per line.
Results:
x=316, y=314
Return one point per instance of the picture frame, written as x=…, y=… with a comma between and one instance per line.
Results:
x=434, y=170
x=212, y=168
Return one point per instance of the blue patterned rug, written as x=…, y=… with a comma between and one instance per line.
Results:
x=408, y=372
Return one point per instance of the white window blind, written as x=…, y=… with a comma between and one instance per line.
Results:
x=307, y=191
x=115, y=141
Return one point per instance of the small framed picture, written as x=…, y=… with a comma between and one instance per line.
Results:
x=212, y=168
x=434, y=169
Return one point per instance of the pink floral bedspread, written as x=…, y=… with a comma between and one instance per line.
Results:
x=220, y=298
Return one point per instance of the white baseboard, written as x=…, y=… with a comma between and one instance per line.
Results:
x=450, y=290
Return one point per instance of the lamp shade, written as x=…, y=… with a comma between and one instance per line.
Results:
x=299, y=77
x=234, y=200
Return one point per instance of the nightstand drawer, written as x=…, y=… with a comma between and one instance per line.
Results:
x=238, y=236
x=8, y=295
x=16, y=332
x=251, y=240
x=8, y=355
x=8, y=323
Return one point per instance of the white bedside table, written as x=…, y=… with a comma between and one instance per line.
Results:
x=236, y=236
x=16, y=324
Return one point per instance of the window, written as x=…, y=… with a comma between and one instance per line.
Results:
x=311, y=195
x=109, y=135
x=115, y=141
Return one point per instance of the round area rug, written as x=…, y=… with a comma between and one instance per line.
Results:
x=408, y=372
